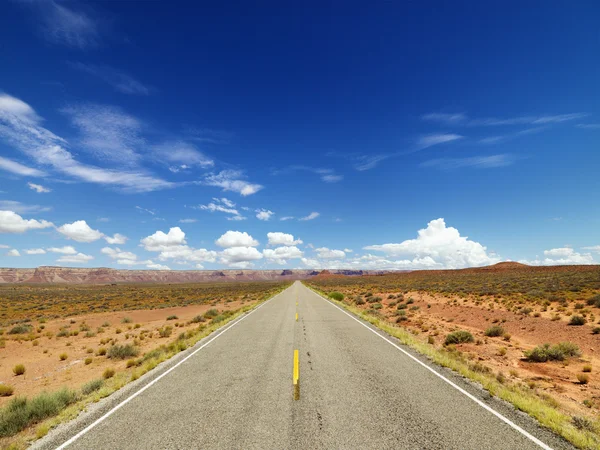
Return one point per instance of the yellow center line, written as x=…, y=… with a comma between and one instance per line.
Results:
x=296, y=317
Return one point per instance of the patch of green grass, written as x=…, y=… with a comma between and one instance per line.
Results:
x=21, y=412
x=336, y=296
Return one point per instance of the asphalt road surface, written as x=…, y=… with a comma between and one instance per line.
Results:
x=357, y=390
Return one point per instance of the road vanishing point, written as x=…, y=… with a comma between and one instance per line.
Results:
x=357, y=388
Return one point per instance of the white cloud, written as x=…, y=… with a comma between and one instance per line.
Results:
x=159, y=240
x=222, y=205
x=450, y=119
x=66, y=250
x=188, y=220
x=463, y=119
x=38, y=188
x=231, y=180
x=330, y=178
x=561, y=256
x=278, y=238
x=4, y=246
x=435, y=139
x=18, y=168
x=280, y=255
x=326, y=253
x=35, y=251
x=183, y=155
x=588, y=126
x=437, y=246
x=157, y=267
x=20, y=208
x=13, y=252
x=264, y=214
x=481, y=162
x=79, y=258
x=149, y=211
x=120, y=81
x=347, y=250
x=311, y=216
x=11, y=222
x=286, y=218
x=66, y=26
x=122, y=257
x=80, y=231
x=239, y=257
x=236, y=239
x=594, y=248
x=117, y=239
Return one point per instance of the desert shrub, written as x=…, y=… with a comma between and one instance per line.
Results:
x=459, y=337
x=108, y=373
x=577, y=320
x=123, y=351
x=219, y=318
x=21, y=329
x=63, y=356
x=410, y=301
x=596, y=330
x=21, y=412
x=173, y=317
x=582, y=423
x=126, y=320
x=401, y=306
x=101, y=351
x=336, y=296
x=359, y=300
x=587, y=368
x=88, y=361
x=583, y=378
x=6, y=390
x=558, y=352
x=19, y=369
x=92, y=386
x=376, y=306
x=502, y=351
x=198, y=319
x=165, y=332
x=494, y=331
x=595, y=301
x=211, y=313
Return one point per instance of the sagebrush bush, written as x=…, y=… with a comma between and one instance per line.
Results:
x=557, y=352
x=198, y=319
x=577, y=320
x=211, y=313
x=123, y=351
x=92, y=386
x=126, y=320
x=21, y=329
x=19, y=369
x=336, y=296
x=494, y=331
x=108, y=373
x=6, y=390
x=173, y=317
x=459, y=337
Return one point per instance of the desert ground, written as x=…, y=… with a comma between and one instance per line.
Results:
x=509, y=309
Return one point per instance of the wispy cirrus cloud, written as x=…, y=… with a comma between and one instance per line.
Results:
x=231, y=180
x=223, y=205
x=326, y=175
x=119, y=80
x=464, y=120
x=588, y=126
x=19, y=169
x=481, y=162
x=312, y=216
x=64, y=25
x=21, y=208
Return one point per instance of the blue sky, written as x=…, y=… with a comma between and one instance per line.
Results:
x=322, y=135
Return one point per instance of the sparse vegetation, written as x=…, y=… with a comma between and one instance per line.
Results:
x=92, y=386
x=123, y=351
x=336, y=295
x=558, y=352
x=459, y=337
x=19, y=369
x=577, y=320
x=494, y=331
x=108, y=373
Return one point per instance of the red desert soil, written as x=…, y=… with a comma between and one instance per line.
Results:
x=45, y=370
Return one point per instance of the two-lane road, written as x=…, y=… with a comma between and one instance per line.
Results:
x=356, y=391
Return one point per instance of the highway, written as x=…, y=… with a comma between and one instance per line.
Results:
x=357, y=389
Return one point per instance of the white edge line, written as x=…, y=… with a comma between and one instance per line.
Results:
x=128, y=399
x=455, y=386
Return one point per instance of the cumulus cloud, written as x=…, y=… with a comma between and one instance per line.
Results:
x=279, y=238
x=437, y=246
x=232, y=180
x=80, y=231
x=66, y=250
x=13, y=252
x=79, y=258
x=280, y=255
x=155, y=266
x=38, y=188
x=236, y=239
x=239, y=257
x=326, y=253
x=35, y=251
x=264, y=214
x=18, y=168
x=21, y=208
x=561, y=257
x=11, y=222
x=593, y=248
x=123, y=257
x=159, y=240
x=311, y=216
x=117, y=239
